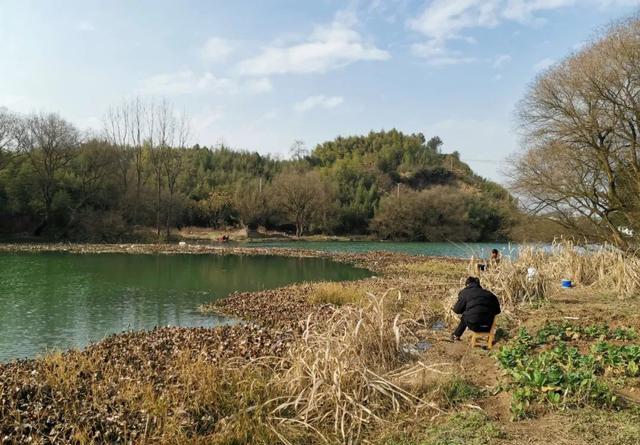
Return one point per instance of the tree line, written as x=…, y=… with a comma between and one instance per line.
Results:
x=142, y=172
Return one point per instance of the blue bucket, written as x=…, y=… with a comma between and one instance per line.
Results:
x=566, y=283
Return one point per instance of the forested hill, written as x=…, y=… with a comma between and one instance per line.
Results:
x=402, y=186
x=393, y=157
x=54, y=184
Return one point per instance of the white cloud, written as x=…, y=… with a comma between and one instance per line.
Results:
x=389, y=10
x=442, y=21
x=543, y=64
x=184, y=82
x=328, y=47
x=269, y=115
x=620, y=3
x=320, y=101
x=500, y=60
x=85, y=26
x=188, y=82
x=261, y=85
x=523, y=10
x=578, y=46
x=437, y=55
x=216, y=49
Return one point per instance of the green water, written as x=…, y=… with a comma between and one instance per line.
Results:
x=459, y=250
x=51, y=301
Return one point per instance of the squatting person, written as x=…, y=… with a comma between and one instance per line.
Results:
x=477, y=307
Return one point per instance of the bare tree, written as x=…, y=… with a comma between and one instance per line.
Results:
x=298, y=150
x=140, y=130
x=50, y=143
x=581, y=122
x=130, y=128
x=162, y=125
x=117, y=128
x=301, y=197
x=250, y=201
x=8, y=142
x=172, y=163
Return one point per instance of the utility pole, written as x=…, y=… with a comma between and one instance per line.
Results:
x=260, y=186
x=398, y=191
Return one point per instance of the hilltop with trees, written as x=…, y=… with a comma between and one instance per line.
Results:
x=140, y=173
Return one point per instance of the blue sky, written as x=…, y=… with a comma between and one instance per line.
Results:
x=260, y=74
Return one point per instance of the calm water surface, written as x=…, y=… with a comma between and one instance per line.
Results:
x=61, y=301
x=459, y=250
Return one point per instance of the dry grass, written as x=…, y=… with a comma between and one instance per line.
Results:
x=511, y=281
x=605, y=270
x=342, y=381
x=338, y=383
x=438, y=269
x=337, y=294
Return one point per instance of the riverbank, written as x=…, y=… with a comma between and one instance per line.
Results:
x=445, y=249
x=357, y=362
x=374, y=261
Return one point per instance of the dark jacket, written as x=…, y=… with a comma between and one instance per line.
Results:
x=477, y=305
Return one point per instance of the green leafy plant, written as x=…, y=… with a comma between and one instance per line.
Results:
x=562, y=376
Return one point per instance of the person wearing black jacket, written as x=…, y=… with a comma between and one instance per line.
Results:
x=477, y=306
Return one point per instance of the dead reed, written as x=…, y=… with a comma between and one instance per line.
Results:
x=531, y=276
x=338, y=382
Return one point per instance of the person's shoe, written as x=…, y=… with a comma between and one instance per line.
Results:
x=454, y=338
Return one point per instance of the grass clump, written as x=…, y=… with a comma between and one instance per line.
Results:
x=336, y=294
x=606, y=427
x=337, y=381
x=529, y=277
x=547, y=369
x=446, y=270
x=458, y=391
x=511, y=280
x=464, y=428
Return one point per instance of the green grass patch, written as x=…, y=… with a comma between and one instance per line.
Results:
x=464, y=428
x=458, y=391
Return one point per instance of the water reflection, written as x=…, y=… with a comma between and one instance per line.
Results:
x=59, y=301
